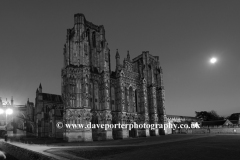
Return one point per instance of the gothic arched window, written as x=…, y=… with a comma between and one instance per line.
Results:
x=96, y=101
x=91, y=91
x=113, y=99
x=126, y=99
x=87, y=33
x=131, y=109
x=94, y=39
x=149, y=74
x=136, y=100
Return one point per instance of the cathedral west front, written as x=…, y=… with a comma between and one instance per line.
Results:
x=93, y=92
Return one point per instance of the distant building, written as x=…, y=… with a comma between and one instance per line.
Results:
x=23, y=120
x=176, y=119
x=33, y=121
x=5, y=120
x=220, y=123
x=231, y=121
x=48, y=111
x=20, y=123
x=181, y=119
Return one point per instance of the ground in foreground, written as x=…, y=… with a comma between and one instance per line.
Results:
x=210, y=147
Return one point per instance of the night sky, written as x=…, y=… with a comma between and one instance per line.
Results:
x=184, y=34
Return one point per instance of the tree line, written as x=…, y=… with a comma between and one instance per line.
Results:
x=213, y=116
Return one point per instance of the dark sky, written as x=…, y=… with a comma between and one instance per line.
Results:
x=184, y=34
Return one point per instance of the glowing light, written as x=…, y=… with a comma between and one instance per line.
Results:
x=213, y=60
x=9, y=111
x=1, y=111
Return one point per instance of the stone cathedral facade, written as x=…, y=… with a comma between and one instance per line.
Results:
x=133, y=92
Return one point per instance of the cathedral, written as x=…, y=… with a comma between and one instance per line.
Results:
x=92, y=92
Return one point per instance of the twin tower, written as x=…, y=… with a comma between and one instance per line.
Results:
x=93, y=93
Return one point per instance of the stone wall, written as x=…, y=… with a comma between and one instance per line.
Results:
x=225, y=130
x=209, y=130
x=22, y=153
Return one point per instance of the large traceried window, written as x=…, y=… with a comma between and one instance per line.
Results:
x=139, y=105
x=96, y=96
x=72, y=91
x=149, y=74
x=136, y=101
x=126, y=99
x=94, y=39
x=113, y=99
x=87, y=34
x=77, y=93
x=91, y=91
x=131, y=109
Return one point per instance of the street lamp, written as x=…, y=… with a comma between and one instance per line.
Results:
x=7, y=111
x=1, y=111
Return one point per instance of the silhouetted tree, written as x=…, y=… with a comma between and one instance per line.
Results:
x=208, y=116
x=234, y=116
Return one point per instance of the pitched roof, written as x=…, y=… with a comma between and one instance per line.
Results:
x=52, y=97
x=186, y=117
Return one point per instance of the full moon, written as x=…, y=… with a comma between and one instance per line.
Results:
x=213, y=60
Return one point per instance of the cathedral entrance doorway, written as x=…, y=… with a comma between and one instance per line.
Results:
x=133, y=133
